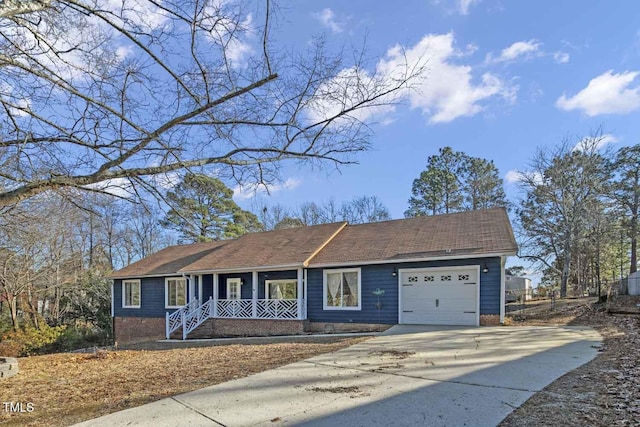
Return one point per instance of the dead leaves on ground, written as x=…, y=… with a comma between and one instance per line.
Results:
x=71, y=387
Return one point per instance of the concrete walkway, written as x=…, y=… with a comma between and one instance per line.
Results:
x=408, y=376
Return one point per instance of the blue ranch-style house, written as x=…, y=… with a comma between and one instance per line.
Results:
x=441, y=270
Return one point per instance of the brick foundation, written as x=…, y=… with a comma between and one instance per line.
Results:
x=135, y=329
x=247, y=328
x=489, y=320
x=329, y=328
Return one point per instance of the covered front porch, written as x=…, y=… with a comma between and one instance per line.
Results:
x=259, y=294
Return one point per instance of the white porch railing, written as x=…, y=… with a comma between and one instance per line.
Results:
x=277, y=309
x=193, y=315
x=284, y=309
x=234, y=308
x=176, y=319
x=196, y=317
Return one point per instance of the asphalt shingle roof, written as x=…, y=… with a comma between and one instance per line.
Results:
x=478, y=232
x=291, y=246
x=167, y=261
x=464, y=233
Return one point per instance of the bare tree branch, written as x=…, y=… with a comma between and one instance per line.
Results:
x=95, y=91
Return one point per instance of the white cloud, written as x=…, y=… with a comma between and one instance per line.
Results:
x=447, y=93
x=518, y=50
x=140, y=13
x=167, y=180
x=464, y=5
x=606, y=94
x=328, y=19
x=244, y=192
x=561, y=57
x=512, y=176
x=599, y=141
x=234, y=36
x=13, y=101
x=120, y=187
x=535, y=177
x=354, y=86
x=516, y=177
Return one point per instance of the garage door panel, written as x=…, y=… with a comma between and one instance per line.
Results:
x=439, y=296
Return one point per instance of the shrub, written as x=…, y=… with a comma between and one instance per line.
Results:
x=75, y=338
x=30, y=341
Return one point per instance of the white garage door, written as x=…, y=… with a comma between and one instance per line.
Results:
x=439, y=296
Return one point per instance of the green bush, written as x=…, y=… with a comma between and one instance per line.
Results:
x=30, y=341
x=73, y=339
x=5, y=323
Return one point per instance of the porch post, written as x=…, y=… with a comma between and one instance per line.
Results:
x=299, y=293
x=200, y=288
x=166, y=324
x=192, y=287
x=503, y=261
x=254, y=294
x=214, y=312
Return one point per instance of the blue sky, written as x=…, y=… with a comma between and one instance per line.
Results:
x=505, y=78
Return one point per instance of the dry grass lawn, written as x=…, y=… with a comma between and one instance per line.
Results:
x=69, y=388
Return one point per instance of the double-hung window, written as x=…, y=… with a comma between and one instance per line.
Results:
x=131, y=293
x=175, y=292
x=341, y=290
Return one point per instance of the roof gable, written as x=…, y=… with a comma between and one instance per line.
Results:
x=277, y=248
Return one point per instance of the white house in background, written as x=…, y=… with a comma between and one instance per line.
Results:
x=633, y=283
x=516, y=287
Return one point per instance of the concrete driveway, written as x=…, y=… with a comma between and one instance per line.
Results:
x=408, y=376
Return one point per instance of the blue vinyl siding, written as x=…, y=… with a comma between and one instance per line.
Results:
x=381, y=276
x=373, y=276
x=207, y=287
x=207, y=282
x=151, y=299
x=245, y=289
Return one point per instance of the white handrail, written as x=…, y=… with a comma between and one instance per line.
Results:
x=195, y=318
x=173, y=321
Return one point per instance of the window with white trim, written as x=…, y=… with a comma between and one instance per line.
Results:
x=131, y=293
x=175, y=290
x=234, y=290
x=280, y=289
x=341, y=289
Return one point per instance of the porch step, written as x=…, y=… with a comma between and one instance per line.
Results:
x=205, y=330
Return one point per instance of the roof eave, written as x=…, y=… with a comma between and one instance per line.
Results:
x=141, y=276
x=279, y=267
x=422, y=259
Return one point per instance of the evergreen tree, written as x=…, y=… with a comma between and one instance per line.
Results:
x=453, y=182
x=203, y=210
